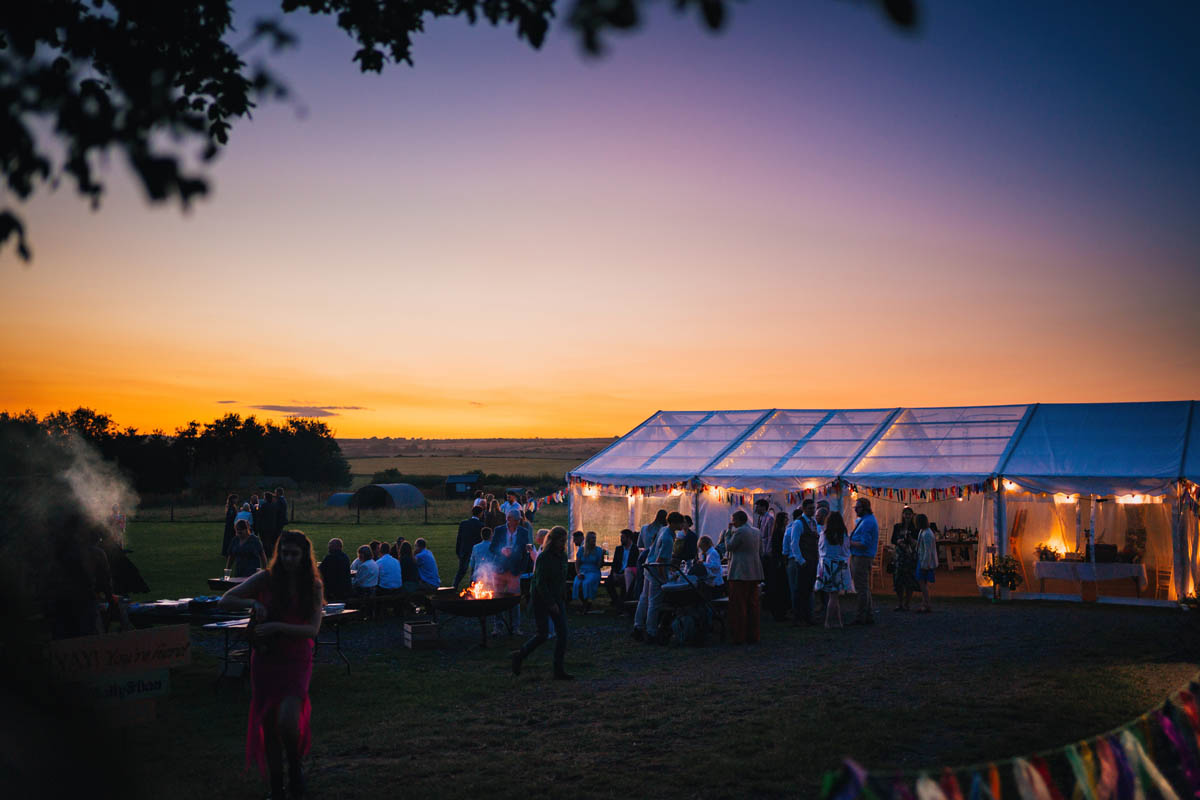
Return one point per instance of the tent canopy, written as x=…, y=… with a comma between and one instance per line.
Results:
x=1093, y=448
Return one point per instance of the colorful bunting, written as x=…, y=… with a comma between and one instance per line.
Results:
x=1112, y=766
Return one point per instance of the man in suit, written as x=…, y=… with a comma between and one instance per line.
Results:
x=650, y=530
x=744, y=545
x=510, y=547
x=481, y=557
x=468, y=537
x=624, y=567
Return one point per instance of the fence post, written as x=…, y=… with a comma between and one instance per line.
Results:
x=357, y=513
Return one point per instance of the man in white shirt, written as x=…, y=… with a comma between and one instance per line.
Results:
x=658, y=562
x=389, y=570
x=510, y=504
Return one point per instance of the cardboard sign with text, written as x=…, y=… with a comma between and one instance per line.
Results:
x=89, y=657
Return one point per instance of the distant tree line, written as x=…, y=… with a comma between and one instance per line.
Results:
x=545, y=482
x=210, y=457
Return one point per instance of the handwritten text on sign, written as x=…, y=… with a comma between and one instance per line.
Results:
x=156, y=648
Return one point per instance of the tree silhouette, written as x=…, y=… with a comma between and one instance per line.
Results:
x=150, y=79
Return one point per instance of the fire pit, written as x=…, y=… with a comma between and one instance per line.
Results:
x=476, y=601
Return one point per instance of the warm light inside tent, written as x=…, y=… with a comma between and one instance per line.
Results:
x=1010, y=486
x=1063, y=499
x=676, y=492
x=1133, y=499
x=590, y=491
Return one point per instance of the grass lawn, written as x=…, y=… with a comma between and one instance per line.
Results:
x=970, y=682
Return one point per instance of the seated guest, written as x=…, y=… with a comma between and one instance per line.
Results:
x=539, y=540
x=246, y=553
x=711, y=560
x=479, y=559
x=690, y=539
x=366, y=573
x=408, y=568
x=587, y=582
x=624, y=568
x=375, y=549
x=390, y=579
x=427, y=571
x=576, y=545
x=244, y=514
x=335, y=572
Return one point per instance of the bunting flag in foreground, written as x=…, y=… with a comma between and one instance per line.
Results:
x=1156, y=755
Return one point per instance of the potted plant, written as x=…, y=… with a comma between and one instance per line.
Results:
x=1046, y=553
x=1004, y=573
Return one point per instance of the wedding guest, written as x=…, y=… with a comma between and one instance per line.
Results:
x=281, y=509
x=366, y=573
x=657, y=563
x=410, y=573
x=375, y=548
x=744, y=545
x=576, y=546
x=649, y=531
x=287, y=603
x=624, y=568
x=530, y=507
x=547, y=590
x=231, y=515
x=335, y=572
x=834, y=575
x=510, y=503
x=427, y=570
x=268, y=526
x=468, y=536
x=494, y=518
x=587, y=580
x=775, y=570
x=711, y=560
x=927, y=560
x=688, y=541
x=390, y=577
x=821, y=517
x=803, y=562
x=245, y=514
x=904, y=563
x=864, y=544
x=477, y=565
x=246, y=553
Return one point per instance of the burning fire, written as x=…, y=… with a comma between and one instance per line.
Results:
x=476, y=591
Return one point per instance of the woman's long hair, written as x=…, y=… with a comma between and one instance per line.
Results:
x=556, y=542
x=231, y=503
x=835, y=529
x=406, y=553
x=308, y=578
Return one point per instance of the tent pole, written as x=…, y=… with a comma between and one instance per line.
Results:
x=1078, y=524
x=1092, y=529
x=1001, y=519
x=1180, y=552
x=837, y=497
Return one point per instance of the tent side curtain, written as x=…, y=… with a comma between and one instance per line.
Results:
x=1191, y=457
x=670, y=447
x=932, y=448
x=1102, y=448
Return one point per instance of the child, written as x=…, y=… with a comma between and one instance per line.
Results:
x=834, y=575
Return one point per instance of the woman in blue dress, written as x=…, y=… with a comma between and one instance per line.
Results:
x=587, y=579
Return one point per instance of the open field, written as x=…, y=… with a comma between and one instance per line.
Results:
x=568, y=449
x=969, y=682
x=454, y=465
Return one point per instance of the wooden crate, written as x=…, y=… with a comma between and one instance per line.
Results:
x=420, y=635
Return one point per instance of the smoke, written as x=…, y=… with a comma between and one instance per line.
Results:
x=97, y=485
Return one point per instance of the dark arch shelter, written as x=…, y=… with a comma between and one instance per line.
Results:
x=389, y=495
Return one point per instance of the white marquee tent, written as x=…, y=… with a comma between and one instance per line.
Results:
x=1054, y=474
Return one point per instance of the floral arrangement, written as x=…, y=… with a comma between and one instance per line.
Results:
x=1046, y=553
x=1004, y=572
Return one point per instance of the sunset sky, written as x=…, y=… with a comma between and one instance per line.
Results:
x=809, y=210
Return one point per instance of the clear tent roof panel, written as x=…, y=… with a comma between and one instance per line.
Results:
x=1191, y=461
x=670, y=446
x=800, y=443
x=937, y=444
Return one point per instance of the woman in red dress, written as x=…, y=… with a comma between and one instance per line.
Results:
x=287, y=600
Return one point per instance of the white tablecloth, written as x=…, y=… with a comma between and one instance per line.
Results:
x=1086, y=571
